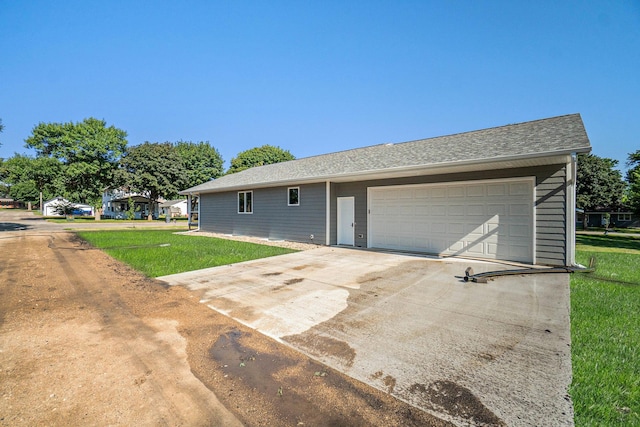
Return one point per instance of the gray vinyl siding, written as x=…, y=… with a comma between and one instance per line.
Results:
x=551, y=215
x=272, y=218
x=550, y=205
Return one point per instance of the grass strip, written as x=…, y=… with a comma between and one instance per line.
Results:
x=605, y=332
x=161, y=252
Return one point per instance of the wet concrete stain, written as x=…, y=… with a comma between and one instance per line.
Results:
x=322, y=346
x=457, y=401
x=388, y=381
x=287, y=283
x=277, y=273
x=392, y=273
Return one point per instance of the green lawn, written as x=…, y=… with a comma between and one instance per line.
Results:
x=161, y=252
x=605, y=332
x=92, y=219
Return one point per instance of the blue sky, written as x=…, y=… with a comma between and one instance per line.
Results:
x=319, y=76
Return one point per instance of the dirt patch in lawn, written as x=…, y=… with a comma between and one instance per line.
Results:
x=85, y=340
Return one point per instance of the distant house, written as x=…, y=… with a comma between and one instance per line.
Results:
x=115, y=205
x=505, y=193
x=621, y=219
x=9, y=203
x=174, y=208
x=49, y=207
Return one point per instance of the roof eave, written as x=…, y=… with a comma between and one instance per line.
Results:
x=395, y=172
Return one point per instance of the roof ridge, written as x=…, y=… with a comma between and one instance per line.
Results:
x=433, y=137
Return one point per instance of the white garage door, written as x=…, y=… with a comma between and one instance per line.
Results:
x=486, y=219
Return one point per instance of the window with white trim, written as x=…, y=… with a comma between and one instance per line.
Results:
x=293, y=196
x=245, y=202
x=624, y=217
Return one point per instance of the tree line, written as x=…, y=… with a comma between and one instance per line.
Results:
x=79, y=161
x=600, y=186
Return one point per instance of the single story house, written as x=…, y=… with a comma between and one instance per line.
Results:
x=9, y=203
x=621, y=219
x=174, y=208
x=49, y=207
x=505, y=193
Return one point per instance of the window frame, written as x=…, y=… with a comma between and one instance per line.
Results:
x=289, y=196
x=244, y=202
x=624, y=217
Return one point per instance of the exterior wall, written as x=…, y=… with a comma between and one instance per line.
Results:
x=272, y=218
x=550, y=205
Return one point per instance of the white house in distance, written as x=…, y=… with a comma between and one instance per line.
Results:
x=174, y=208
x=49, y=207
x=115, y=204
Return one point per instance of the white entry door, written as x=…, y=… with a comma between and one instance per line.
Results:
x=346, y=221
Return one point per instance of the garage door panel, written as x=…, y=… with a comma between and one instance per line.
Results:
x=457, y=191
x=496, y=209
x=475, y=210
x=519, y=189
x=438, y=193
x=520, y=209
x=438, y=210
x=474, y=249
x=456, y=228
x=496, y=189
x=476, y=191
x=519, y=231
x=484, y=219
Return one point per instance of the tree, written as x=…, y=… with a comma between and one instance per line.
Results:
x=598, y=185
x=1, y=128
x=633, y=180
x=26, y=177
x=259, y=156
x=154, y=170
x=89, y=151
x=64, y=208
x=201, y=161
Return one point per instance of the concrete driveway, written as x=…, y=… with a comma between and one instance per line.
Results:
x=474, y=354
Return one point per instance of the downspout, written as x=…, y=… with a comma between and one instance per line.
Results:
x=189, y=211
x=327, y=209
x=571, y=211
x=199, y=204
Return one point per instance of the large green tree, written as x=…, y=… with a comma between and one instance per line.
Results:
x=633, y=180
x=89, y=151
x=259, y=156
x=201, y=162
x=26, y=177
x=599, y=184
x=153, y=170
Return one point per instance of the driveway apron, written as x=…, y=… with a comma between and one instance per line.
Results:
x=496, y=353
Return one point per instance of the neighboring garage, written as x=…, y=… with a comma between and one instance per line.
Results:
x=491, y=219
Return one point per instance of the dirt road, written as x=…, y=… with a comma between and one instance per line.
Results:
x=84, y=340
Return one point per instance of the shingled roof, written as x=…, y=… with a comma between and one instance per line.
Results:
x=540, y=138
